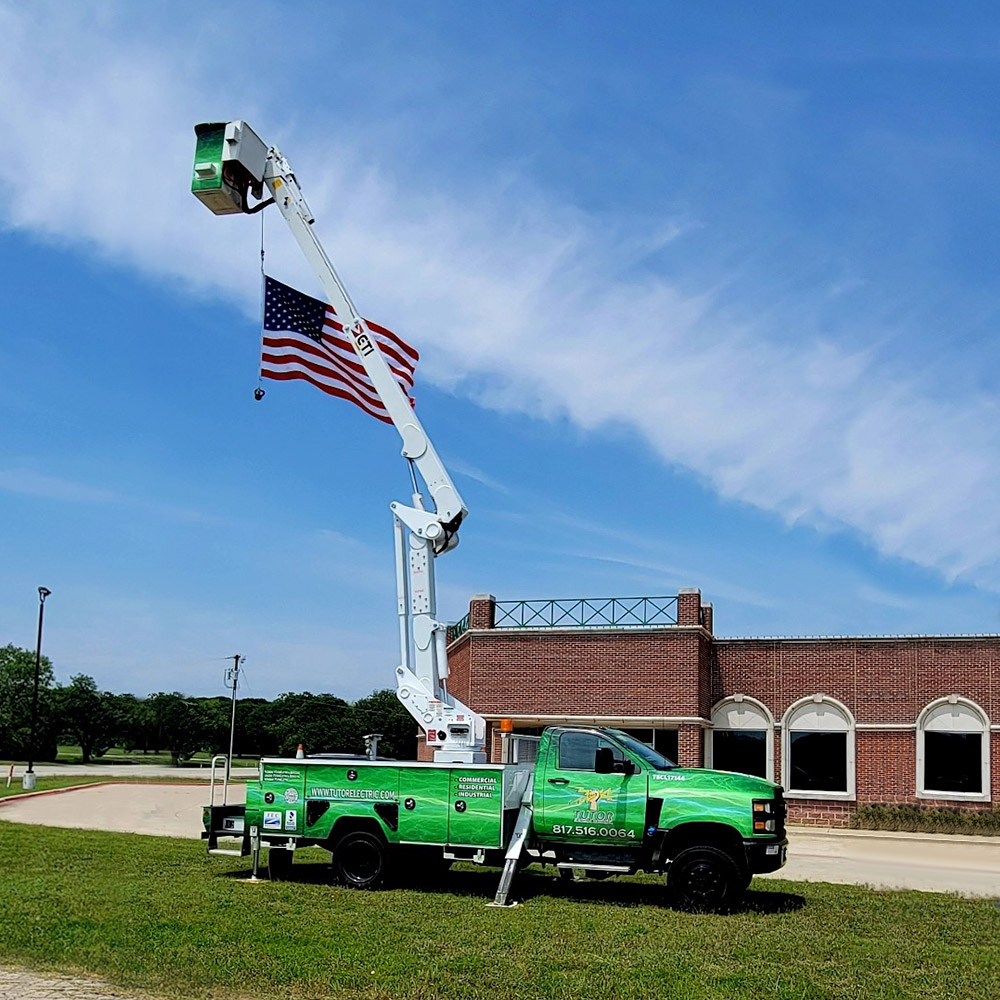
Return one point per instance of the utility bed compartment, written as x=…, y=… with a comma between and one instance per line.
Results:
x=468, y=805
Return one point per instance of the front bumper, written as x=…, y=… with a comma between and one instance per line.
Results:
x=765, y=855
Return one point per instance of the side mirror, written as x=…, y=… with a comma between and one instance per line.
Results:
x=604, y=760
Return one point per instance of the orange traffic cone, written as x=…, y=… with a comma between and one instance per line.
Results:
x=300, y=753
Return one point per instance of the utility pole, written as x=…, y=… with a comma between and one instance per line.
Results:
x=233, y=674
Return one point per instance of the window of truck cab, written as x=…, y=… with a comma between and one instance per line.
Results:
x=577, y=750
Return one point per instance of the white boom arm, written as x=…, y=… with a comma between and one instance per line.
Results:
x=423, y=531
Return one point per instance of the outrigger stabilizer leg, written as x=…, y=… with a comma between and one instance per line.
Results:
x=512, y=858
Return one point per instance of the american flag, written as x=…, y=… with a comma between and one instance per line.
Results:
x=304, y=339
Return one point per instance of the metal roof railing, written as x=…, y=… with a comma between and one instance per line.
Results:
x=599, y=612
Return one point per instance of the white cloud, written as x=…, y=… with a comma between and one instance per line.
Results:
x=509, y=297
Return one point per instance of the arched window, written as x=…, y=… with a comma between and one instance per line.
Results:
x=741, y=738
x=953, y=750
x=818, y=749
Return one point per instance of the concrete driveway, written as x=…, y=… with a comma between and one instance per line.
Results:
x=969, y=866
x=157, y=810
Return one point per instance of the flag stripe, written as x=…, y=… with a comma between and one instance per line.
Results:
x=279, y=350
x=304, y=339
x=332, y=390
x=320, y=366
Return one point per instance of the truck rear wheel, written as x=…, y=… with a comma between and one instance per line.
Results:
x=705, y=879
x=360, y=860
x=279, y=863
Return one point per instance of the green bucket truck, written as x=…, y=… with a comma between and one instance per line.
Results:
x=580, y=799
x=595, y=800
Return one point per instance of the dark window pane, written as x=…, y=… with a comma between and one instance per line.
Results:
x=743, y=750
x=665, y=742
x=953, y=762
x=818, y=762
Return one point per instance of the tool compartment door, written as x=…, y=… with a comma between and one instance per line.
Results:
x=475, y=816
x=424, y=801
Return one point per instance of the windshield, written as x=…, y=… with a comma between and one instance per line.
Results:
x=645, y=753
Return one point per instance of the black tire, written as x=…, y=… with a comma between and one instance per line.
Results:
x=705, y=879
x=279, y=863
x=360, y=860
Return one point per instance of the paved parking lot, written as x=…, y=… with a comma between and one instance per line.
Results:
x=969, y=866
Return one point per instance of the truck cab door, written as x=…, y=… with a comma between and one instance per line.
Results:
x=579, y=804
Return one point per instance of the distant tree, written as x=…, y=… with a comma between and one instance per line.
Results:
x=382, y=712
x=322, y=723
x=254, y=733
x=216, y=716
x=17, y=674
x=84, y=713
x=180, y=725
x=133, y=722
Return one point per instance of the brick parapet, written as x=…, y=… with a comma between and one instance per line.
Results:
x=689, y=606
x=482, y=611
x=615, y=672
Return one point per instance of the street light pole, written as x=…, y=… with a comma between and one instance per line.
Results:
x=28, y=781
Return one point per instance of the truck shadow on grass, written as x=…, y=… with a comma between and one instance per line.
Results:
x=531, y=885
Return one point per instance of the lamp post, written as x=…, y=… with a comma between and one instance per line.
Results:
x=28, y=781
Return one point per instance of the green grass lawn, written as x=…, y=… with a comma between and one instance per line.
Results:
x=159, y=915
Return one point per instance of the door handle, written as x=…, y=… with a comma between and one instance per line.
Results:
x=558, y=781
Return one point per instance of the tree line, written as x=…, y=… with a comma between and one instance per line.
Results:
x=81, y=714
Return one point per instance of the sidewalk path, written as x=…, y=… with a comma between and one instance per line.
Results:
x=969, y=866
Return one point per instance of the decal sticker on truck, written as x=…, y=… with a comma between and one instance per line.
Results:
x=369, y=794
x=477, y=786
x=272, y=820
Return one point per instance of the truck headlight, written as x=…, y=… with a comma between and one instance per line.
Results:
x=763, y=816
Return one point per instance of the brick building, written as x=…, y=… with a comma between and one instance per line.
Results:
x=838, y=721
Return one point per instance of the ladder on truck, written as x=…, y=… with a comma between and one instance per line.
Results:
x=225, y=821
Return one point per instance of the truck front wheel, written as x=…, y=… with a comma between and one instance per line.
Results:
x=705, y=878
x=360, y=860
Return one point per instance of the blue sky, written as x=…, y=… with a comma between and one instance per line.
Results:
x=706, y=296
